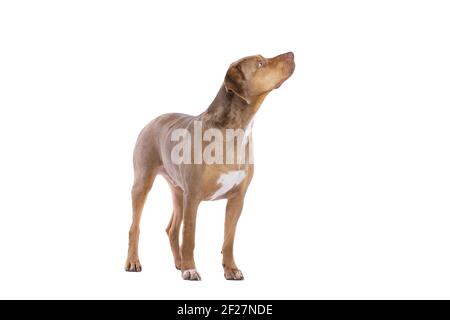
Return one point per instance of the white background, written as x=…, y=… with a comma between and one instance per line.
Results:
x=350, y=197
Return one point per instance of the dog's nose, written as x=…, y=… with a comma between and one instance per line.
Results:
x=289, y=55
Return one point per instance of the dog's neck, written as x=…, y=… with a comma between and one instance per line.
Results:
x=230, y=111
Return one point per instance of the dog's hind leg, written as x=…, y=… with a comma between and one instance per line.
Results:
x=143, y=182
x=173, y=229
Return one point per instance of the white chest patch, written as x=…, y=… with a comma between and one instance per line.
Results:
x=228, y=181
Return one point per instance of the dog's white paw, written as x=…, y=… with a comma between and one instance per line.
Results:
x=133, y=265
x=190, y=274
x=234, y=274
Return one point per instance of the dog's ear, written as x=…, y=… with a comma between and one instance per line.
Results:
x=234, y=81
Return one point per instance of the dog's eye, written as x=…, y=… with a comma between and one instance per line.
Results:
x=260, y=64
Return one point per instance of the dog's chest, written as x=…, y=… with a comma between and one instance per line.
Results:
x=227, y=181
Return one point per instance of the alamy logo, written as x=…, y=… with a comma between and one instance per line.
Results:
x=226, y=146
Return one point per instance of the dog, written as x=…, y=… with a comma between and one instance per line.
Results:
x=247, y=82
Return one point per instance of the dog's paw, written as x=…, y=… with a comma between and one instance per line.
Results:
x=191, y=274
x=233, y=274
x=133, y=265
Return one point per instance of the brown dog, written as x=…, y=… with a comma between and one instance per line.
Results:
x=195, y=179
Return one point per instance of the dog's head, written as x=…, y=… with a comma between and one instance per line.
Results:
x=254, y=76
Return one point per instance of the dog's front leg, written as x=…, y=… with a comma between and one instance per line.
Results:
x=190, y=206
x=233, y=212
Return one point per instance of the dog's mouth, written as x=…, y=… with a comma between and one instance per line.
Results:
x=288, y=74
